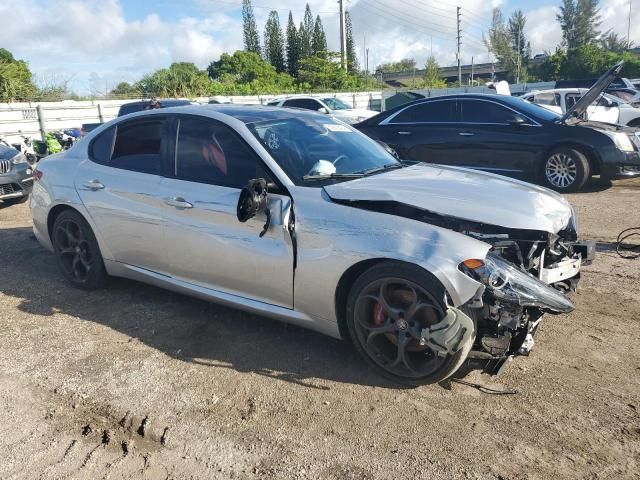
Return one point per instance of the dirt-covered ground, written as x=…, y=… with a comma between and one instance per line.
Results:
x=135, y=382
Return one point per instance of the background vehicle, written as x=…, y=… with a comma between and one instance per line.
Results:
x=138, y=106
x=510, y=136
x=328, y=105
x=199, y=199
x=606, y=108
x=16, y=176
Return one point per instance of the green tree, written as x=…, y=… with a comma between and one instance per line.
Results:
x=352, y=57
x=181, y=79
x=125, y=89
x=323, y=72
x=403, y=65
x=579, y=21
x=16, y=80
x=319, y=39
x=586, y=61
x=305, y=34
x=274, y=42
x=506, y=41
x=432, y=77
x=293, y=47
x=614, y=43
x=249, y=28
x=246, y=73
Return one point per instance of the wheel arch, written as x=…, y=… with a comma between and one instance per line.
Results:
x=592, y=155
x=349, y=277
x=57, y=210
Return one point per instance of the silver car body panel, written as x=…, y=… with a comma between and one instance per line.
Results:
x=465, y=194
x=204, y=251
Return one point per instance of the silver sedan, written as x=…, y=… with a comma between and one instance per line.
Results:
x=297, y=216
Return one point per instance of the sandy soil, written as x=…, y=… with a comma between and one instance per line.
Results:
x=135, y=382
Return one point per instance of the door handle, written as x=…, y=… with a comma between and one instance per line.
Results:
x=466, y=134
x=93, y=185
x=178, y=202
x=404, y=132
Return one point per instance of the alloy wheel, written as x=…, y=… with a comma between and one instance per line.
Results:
x=389, y=316
x=74, y=250
x=561, y=170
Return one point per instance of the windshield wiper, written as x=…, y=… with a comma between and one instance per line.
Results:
x=388, y=166
x=332, y=175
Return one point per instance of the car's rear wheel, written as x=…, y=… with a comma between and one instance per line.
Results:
x=566, y=170
x=388, y=307
x=77, y=251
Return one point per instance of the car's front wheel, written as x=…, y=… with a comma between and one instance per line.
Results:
x=77, y=251
x=566, y=170
x=387, y=309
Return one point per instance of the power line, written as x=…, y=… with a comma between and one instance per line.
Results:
x=413, y=19
x=264, y=7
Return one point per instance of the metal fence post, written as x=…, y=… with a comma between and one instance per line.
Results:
x=354, y=101
x=100, y=113
x=43, y=131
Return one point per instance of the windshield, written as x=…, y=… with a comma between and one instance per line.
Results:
x=335, y=104
x=309, y=148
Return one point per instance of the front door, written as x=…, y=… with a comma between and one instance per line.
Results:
x=490, y=142
x=206, y=244
x=119, y=186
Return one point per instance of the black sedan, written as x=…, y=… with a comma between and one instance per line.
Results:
x=509, y=136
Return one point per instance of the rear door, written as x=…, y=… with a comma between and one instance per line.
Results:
x=490, y=142
x=206, y=243
x=426, y=132
x=119, y=185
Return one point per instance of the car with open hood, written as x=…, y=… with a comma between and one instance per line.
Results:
x=510, y=136
x=297, y=216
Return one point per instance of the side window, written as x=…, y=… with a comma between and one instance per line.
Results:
x=571, y=99
x=478, y=111
x=210, y=152
x=102, y=146
x=439, y=111
x=547, y=98
x=137, y=146
x=306, y=103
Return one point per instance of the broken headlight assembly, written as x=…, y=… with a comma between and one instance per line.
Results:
x=509, y=284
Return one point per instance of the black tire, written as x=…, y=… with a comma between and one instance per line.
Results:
x=565, y=170
x=77, y=251
x=393, y=274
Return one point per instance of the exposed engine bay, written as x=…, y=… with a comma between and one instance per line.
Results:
x=526, y=274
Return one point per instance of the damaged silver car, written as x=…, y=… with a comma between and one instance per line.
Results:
x=296, y=216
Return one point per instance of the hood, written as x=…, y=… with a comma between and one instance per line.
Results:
x=594, y=92
x=7, y=153
x=464, y=194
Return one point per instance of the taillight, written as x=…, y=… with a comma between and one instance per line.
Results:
x=37, y=174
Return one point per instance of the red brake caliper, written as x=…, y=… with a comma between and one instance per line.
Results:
x=378, y=314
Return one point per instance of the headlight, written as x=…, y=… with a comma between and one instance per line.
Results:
x=20, y=158
x=511, y=285
x=621, y=140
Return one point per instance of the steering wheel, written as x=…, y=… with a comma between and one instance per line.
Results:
x=339, y=158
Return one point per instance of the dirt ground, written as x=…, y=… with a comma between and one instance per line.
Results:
x=135, y=382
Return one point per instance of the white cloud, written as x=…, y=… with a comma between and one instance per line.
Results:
x=92, y=43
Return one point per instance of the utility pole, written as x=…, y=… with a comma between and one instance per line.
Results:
x=519, y=57
x=364, y=49
x=629, y=28
x=367, y=61
x=471, y=82
x=459, y=45
x=343, y=40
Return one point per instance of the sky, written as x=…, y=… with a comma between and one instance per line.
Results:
x=94, y=44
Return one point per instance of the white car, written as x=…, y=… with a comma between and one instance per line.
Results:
x=328, y=105
x=607, y=108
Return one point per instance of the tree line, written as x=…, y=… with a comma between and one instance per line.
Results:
x=584, y=52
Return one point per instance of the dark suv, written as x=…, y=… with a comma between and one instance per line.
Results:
x=16, y=177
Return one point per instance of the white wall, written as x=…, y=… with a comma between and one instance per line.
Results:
x=23, y=117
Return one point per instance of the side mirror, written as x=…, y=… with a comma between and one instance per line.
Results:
x=253, y=200
x=517, y=120
x=323, y=110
